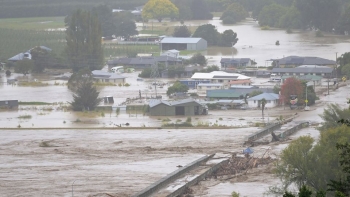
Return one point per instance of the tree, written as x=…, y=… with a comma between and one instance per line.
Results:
x=345, y=70
x=200, y=10
x=291, y=86
x=24, y=66
x=255, y=93
x=198, y=58
x=301, y=162
x=105, y=17
x=177, y=87
x=42, y=59
x=182, y=31
x=146, y=73
x=228, y=38
x=185, y=12
x=84, y=45
x=208, y=32
x=331, y=115
x=210, y=69
x=159, y=9
x=234, y=13
x=322, y=14
x=311, y=95
x=291, y=19
x=125, y=25
x=263, y=103
x=86, y=96
x=271, y=14
x=344, y=22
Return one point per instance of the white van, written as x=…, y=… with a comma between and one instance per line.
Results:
x=117, y=69
x=275, y=78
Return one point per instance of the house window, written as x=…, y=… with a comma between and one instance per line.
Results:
x=208, y=87
x=189, y=83
x=220, y=81
x=268, y=101
x=254, y=101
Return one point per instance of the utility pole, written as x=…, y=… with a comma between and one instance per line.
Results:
x=336, y=65
x=72, y=187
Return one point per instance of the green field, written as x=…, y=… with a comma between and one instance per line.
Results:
x=38, y=23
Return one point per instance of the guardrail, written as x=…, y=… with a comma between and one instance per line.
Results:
x=171, y=177
x=265, y=131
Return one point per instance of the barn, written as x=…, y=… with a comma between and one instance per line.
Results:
x=186, y=107
x=180, y=44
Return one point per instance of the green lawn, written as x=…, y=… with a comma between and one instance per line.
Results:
x=38, y=23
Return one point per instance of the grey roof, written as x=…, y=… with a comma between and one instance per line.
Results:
x=142, y=60
x=210, y=84
x=266, y=96
x=155, y=102
x=235, y=60
x=99, y=74
x=303, y=70
x=177, y=40
x=296, y=60
x=192, y=68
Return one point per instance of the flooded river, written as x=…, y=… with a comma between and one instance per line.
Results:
x=253, y=43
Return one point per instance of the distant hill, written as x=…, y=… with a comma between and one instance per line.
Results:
x=44, y=8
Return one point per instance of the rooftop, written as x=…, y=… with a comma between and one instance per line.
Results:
x=155, y=102
x=219, y=75
x=235, y=60
x=319, y=69
x=266, y=96
x=99, y=74
x=180, y=40
x=297, y=60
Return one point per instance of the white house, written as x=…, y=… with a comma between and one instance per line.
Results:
x=272, y=100
x=171, y=53
x=220, y=77
x=102, y=76
x=203, y=87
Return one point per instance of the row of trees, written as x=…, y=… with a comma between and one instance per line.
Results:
x=36, y=8
x=317, y=167
x=209, y=32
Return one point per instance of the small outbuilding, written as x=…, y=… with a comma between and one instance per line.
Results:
x=186, y=107
x=9, y=104
x=272, y=100
x=180, y=44
x=102, y=76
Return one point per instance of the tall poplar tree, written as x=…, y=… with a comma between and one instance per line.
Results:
x=84, y=40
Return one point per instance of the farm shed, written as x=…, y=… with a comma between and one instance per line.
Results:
x=186, y=107
x=190, y=44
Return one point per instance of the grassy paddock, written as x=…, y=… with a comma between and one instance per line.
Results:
x=33, y=103
x=20, y=40
x=37, y=23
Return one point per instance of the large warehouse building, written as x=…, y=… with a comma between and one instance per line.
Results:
x=190, y=44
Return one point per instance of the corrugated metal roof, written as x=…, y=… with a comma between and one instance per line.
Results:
x=266, y=96
x=235, y=60
x=219, y=74
x=296, y=60
x=155, y=102
x=223, y=94
x=210, y=84
x=324, y=69
x=99, y=74
x=177, y=40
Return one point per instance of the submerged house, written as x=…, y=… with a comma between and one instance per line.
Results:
x=102, y=76
x=186, y=107
x=294, y=61
x=272, y=100
x=177, y=43
x=233, y=63
x=9, y=104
